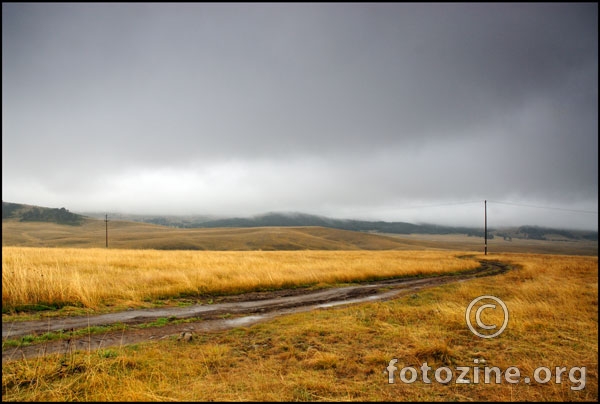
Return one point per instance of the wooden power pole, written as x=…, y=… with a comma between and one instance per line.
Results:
x=106, y=221
x=485, y=226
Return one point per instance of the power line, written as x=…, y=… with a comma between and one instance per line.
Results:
x=546, y=207
x=438, y=205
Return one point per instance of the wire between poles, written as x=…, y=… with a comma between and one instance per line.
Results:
x=545, y=207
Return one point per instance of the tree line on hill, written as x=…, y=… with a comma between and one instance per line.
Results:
x=301, y=219
x=26, y=213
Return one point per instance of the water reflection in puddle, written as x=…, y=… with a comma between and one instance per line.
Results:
x=238, y=322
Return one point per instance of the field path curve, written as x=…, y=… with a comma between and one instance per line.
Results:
x=244, y=309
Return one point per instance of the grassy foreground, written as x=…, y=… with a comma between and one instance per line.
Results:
x=96, y=278
x=341, y=354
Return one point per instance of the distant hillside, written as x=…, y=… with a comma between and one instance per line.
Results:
x=300, y=219
x=177, y=221
x=136, y=235
x=30, y=213
x=34, y=226
x=545, y=233
x=306, y=220
x=297, y=220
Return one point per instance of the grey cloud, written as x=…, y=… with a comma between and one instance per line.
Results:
x=403, y=100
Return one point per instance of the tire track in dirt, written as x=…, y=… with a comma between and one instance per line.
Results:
x=251, y=307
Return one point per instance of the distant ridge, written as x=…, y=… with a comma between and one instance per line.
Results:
x=302, y=219
x=35, y=226
x=31, y=213
x=297, y=219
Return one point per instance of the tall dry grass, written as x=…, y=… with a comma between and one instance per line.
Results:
x=99, y=277
x=341, y=354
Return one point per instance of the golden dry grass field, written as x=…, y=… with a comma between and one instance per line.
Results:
x=95, y=278
x=341, y=354
x=335, y=354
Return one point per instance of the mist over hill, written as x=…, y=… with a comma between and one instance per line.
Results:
x=29, y=214
x=32, y=213
x=297, y=219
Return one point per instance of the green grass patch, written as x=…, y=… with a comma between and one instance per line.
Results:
x=27, y=340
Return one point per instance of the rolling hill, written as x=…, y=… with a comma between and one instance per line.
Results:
x=123, y=234
x=304, y=220
x=31, y=213
x=28, y=225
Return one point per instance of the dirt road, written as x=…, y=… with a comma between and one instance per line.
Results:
x=247, y=309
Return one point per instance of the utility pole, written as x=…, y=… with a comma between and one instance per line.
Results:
x=106, y=221
x=485, y=228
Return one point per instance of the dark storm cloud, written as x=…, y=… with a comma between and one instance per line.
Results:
x=300, y=106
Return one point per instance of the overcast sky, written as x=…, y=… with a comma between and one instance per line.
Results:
x=389, y=111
